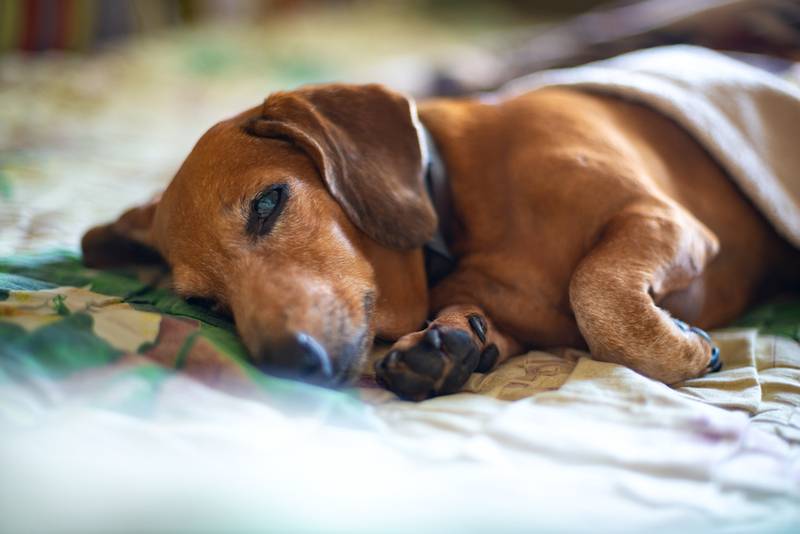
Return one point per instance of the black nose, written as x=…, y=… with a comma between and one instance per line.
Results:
x=299, y=356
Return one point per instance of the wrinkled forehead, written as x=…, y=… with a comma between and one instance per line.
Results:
x=203, y=213
x=219, y=165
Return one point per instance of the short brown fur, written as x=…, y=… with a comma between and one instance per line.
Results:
x=578, y=220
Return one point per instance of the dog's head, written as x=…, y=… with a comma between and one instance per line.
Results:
x=304, y=218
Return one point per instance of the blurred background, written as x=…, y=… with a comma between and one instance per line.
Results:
x=36, y=25
x=100, y=100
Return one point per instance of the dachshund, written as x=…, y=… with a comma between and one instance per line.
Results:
x=334, y=214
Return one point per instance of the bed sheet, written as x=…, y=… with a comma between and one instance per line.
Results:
x=125, y=408
x=146, y=404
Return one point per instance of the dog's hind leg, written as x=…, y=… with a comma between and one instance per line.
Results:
x=645, y=253
x=438, y=360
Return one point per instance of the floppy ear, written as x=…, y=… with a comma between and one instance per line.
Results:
x=364, y=143
x=124, y=242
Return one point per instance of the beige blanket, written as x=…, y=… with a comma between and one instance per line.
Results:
x=747, y=118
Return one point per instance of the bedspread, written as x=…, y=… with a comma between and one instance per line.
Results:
x=146, y=402
x=125, y=408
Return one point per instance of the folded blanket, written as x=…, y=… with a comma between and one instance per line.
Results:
x=746, y=118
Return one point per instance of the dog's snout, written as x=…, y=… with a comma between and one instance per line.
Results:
x=298, y=356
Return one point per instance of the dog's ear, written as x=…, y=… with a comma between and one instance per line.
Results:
x=126, y=241
x=365, y=144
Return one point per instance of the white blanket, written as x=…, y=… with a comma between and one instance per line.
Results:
x=747, y=118
x=592, y=447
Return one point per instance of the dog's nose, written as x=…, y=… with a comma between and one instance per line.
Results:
x=299, y=356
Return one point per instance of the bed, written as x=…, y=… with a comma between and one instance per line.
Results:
x=125, y=408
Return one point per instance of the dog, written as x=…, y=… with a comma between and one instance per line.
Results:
x=564, y=218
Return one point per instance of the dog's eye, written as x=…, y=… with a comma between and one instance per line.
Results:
x=266, y=202
x=265, y=208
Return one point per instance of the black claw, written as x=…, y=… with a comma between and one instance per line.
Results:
x=433, y=338
x=478, y=325
x=488, y=358
x=715, y=364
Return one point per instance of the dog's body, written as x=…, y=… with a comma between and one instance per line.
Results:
x=577, y=214
x=575, y=219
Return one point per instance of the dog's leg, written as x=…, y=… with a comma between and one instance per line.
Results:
x=642, y=256
x=438, y=360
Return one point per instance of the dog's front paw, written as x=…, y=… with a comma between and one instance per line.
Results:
x=436, y=361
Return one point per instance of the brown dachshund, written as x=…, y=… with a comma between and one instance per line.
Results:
x=575, y=220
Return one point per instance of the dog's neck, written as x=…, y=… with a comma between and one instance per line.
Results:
x=404, y=277
x=439, y=261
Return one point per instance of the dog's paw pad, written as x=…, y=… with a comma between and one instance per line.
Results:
x=439, y=363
